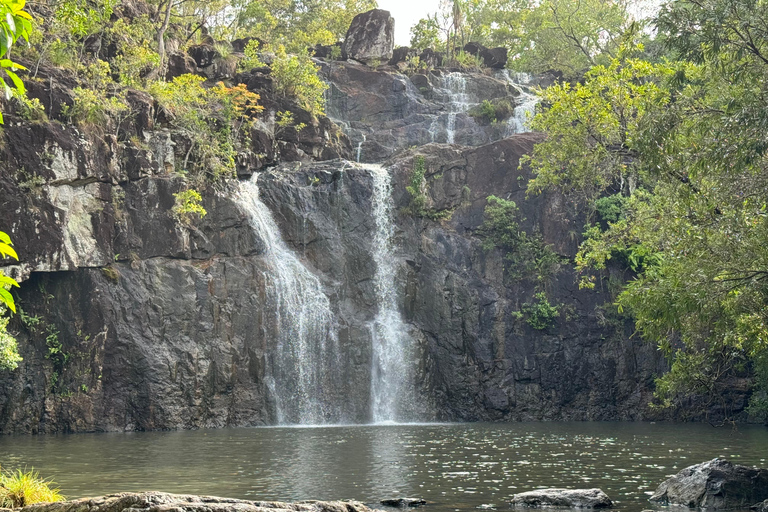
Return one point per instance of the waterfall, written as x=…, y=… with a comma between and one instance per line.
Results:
x=394, y=353
x=360, y=148
x=526, y=102
x=454, y=90
x=303, y=367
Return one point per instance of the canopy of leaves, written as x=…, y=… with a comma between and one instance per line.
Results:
x=693, y=135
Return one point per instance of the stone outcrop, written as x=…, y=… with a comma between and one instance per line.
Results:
x=494, y=58
x=371, y=37
x=386, y=112
x=562, y=498
x=717, y=485
x=164, y=502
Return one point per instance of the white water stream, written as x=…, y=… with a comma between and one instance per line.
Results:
x=303, y=371
x=526, y=103
x=394, y=351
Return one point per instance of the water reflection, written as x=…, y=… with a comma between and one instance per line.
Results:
x=455, y=467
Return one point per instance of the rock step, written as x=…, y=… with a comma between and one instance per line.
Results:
x=165, y=502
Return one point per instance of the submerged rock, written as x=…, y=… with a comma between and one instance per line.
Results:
x=162, y=502
x=370, y=37
x=566, y=498
x=716, y=484
x=404, y=502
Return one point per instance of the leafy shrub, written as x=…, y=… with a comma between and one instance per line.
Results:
x=610, y=208
x=210, y=119
x=91, y=107
x=492, y=111
x=187, y=206
x=526, y=256
x=541, y=314
x=252, y=58
x=415, y=187
x=9, y=352
x=21, y=488
x=295, y=76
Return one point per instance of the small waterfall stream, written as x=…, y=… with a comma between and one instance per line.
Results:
x=454, y=91
x=526, y=102
x=394, y=353
x=304, y=368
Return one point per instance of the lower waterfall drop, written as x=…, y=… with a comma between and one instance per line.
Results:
x=393, y=397
x=304, y=369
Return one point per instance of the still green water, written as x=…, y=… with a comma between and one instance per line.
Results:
x=455, y=466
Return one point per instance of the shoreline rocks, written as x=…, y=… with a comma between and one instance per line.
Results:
x=562, y=498
x=717, y=484
x=166, y=502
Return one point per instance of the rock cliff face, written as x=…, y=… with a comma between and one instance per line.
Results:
x=133, y=321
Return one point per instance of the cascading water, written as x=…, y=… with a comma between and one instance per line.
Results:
x=360, y=148
x=526, y=103
x=394, y=352
x=304, y=370
x=454, y=90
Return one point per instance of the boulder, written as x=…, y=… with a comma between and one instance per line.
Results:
x=566, y=498
x=431, y=58
x=401, y=54
x=404, y=502
x=157, y=501
x=495, y=58
x=179, y=64
x=327, y=51
x=717, y=484
x=760, y=507
x=371, y=37
x=203, y=54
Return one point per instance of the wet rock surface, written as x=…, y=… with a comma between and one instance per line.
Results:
x=164, y=502
x=404, y=502
x=562, y=498
x=717, y=485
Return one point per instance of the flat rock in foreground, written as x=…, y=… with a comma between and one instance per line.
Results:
x=164, y=502
x=717, y=484
x=564, y=498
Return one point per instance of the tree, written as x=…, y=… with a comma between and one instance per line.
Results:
x=9, y=355
x=15, y=24
x=692, y=231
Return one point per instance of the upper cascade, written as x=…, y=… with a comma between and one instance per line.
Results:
x=383, y=112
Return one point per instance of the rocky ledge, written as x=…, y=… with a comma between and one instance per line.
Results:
x=165, y=502
x=717, y=484
x=562, y=498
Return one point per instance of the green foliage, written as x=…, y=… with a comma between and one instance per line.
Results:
x=295, y=76
x=188, y=207
x=15, y=24
x=91, y=107
x=492, y=111
x=416, y=187
x=684, y=142
x=297, y=24
x=252, y=58
x=526, y=256
x=9, y=355
x=30, y=109
x=540, y=314
x=213, y=120
x=21, y=488
x=560, y=35
x=610, y=209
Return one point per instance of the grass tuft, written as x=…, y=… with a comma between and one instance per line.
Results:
x=21, y=488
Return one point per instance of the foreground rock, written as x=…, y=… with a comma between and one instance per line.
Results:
x=404, y=502
x=761, y=507
x=371, y=37
x=717, y=484
x=566, y=498
x=164, y=502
